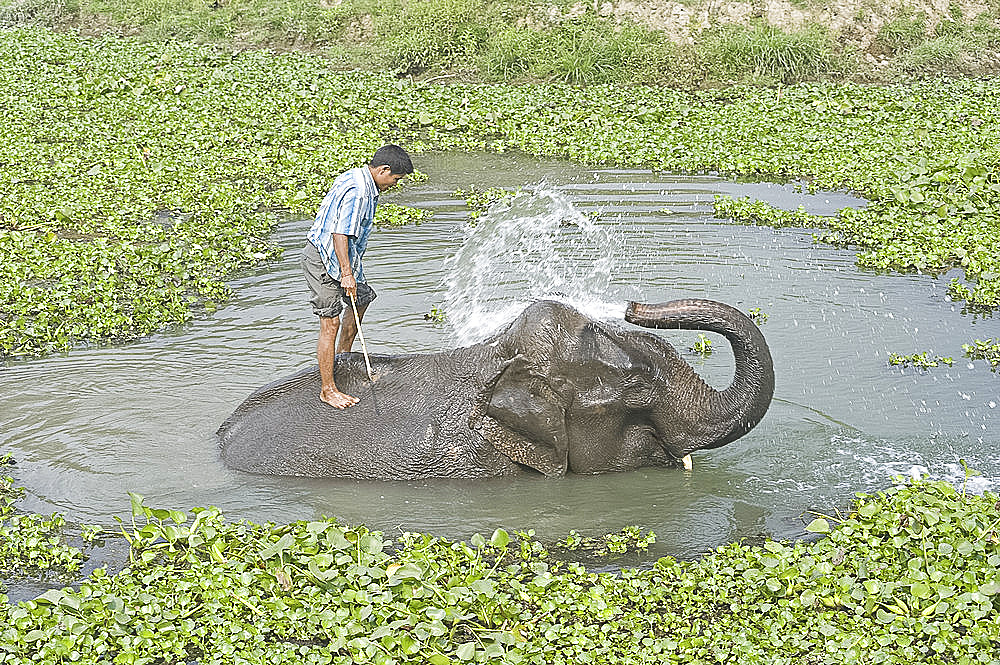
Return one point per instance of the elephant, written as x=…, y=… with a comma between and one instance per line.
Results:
x=554, y=392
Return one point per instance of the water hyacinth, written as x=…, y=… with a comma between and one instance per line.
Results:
x=139, y=178
x=906, y=575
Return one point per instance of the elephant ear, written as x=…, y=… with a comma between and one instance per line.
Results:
x=523, y=416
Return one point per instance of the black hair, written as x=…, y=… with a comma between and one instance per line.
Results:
x=394, y=157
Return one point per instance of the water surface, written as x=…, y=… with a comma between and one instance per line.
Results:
x=88, y=427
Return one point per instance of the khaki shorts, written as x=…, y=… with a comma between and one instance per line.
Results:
x=328, y=298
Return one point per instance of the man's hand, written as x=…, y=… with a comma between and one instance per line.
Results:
x=347, y=281
x=349, y=284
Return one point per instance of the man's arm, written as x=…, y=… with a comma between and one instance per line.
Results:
x=347, y=281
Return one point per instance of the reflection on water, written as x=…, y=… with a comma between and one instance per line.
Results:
x=89, y=427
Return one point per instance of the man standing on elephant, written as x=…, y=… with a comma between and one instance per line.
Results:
x=332, y=259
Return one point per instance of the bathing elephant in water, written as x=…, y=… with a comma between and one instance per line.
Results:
x=554, y=392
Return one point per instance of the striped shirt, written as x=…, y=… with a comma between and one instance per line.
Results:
x=347, y=209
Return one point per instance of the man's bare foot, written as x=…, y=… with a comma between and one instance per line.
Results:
x=336, y=399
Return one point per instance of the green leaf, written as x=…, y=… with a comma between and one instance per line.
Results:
x=466, y=651
x=818, y=525
x=408, y=570
x=336, y=539
x=499, y=539
x=991, y=588
x=53, y=596
x=137, y=507
x=885, y=617
x=283, y=543
x=317, y=528
x=868, y=510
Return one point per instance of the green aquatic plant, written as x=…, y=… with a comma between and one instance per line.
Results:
x=437, y=314
x=703, y=346
x=988, y=350
x=628, y=539
x=390, y=214
x=28, y=541
x=758, y=316
x=922, y=360
x=749, y=211
x=479, y=201
x=907, y=574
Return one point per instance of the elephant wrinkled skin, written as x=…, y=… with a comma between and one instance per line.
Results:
x=554, y=392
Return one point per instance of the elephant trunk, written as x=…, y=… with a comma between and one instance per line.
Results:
x=736, y=410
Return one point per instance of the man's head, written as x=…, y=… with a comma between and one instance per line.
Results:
x=388, y=166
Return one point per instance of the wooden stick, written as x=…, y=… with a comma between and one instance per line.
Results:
x=364, y=349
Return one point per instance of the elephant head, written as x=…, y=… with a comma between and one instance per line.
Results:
x=577, y=395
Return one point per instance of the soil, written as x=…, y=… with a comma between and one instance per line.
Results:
x=856, y=21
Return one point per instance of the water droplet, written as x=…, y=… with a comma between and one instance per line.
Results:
x=538, y=246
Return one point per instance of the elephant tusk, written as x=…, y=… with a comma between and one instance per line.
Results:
x=688, y=465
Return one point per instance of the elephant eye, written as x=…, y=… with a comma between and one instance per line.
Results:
x=638, y=392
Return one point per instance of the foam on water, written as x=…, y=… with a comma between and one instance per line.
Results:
x=537, y=246
x=879, y=461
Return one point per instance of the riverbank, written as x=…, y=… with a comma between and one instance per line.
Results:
x=680, y=43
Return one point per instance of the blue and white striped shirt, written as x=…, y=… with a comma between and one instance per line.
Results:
x=348, y=209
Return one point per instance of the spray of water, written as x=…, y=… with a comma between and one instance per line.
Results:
x=537, y=246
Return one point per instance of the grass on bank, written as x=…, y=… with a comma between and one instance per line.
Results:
x=907, y=575
x=500, y=40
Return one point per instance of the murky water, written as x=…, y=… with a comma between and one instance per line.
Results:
x=91, y=426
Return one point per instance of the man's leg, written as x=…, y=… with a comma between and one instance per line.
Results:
x=349, y=329
x=326, y=355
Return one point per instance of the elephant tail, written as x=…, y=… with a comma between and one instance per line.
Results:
x=743, y=404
